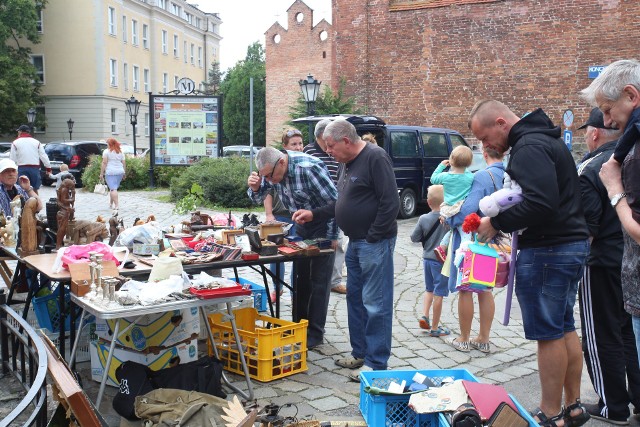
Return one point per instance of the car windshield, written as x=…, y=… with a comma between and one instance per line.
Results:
x=58, y=152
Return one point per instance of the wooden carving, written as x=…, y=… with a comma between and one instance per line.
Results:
x=88, y=231
x=28, y=229
x=66, y=209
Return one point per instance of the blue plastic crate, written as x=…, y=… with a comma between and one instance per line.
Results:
x=258, y=291
x=47, y=310
x=393, y=410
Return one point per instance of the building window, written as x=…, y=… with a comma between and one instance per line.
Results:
x=198, y=22
x=193, y=49
x=124, y=29
x=175, y=82
x=165, y=42
x=112, y=21
x=113, y=72
x=145, y=75
x=175, y=46
x=184, y=51
x=39, y=26
x=134, y=32
x=145, y=36
x=162, y=4
x=188, y=17
x=199, y=57
x=176, y=10
x=136, y=78
x=40, y=112
x=114, y=127
x=125, y=75
x=165, y=82
x=146, y=124
x=38, y=63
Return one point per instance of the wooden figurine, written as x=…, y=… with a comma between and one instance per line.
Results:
x=66, y=210
x=28, y=229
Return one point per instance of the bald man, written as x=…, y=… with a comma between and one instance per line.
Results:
x=553, y=248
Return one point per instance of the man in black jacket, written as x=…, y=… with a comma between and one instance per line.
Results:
x=608, y=342
x=553, y=248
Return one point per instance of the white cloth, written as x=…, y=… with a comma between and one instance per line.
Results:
x=114, y=162
x=26, y=150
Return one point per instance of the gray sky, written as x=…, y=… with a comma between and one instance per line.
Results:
x=245, y=21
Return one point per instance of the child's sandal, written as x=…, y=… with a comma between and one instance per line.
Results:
x=425, y=323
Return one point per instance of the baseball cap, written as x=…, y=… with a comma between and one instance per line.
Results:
x=23, y=128
x=7, y=164
x=595, y=120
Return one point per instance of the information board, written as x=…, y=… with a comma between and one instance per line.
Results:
x=186, y=128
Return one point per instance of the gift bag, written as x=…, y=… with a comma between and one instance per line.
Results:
x=479, y=266
x=101, y=188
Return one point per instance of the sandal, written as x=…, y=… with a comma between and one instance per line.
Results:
x=545, y=421
x=576, y=420
x=459, y=345
x=350, y=362
x=441, y=331
x=484, y=347
x=424, y=323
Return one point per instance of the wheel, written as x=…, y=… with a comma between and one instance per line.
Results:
x=408, y=203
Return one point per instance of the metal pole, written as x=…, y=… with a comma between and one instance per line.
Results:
x=250, y=125
x=152, y=143
x=310, y=112
x=133, y=123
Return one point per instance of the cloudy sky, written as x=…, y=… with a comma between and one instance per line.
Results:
x=245, y=21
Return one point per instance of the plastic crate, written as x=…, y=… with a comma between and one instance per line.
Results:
x=273, y=348
x=47, y=309
x=393, y=410
x=258, y=291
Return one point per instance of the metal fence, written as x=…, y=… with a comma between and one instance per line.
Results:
x=24, y=356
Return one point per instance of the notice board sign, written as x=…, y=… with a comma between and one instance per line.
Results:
x=185, y=128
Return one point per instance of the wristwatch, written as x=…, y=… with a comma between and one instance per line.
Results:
x=616, y=199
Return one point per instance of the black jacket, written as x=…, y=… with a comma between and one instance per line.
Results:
x=551, y=210
x=602, y=220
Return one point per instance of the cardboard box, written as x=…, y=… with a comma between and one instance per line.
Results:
x=153, y=330
x=80, y=273
x=229, y=236
x=164, y=358
x=270, y=228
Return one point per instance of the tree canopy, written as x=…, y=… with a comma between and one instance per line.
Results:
x=235, y=90
x=214, y=78
x=19, y=83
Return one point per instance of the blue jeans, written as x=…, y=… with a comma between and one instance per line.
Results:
x=546, y=286
x=636, y=331
x=370, y=300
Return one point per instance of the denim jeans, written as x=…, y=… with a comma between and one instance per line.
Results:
x=370, y=300
x=636, y=331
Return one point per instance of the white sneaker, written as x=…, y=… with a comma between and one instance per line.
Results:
x=355, y=374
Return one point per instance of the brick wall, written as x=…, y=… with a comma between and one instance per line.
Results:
x=429, y=65
x=300, y=51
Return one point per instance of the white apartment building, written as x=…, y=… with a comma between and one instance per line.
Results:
x=95, y=54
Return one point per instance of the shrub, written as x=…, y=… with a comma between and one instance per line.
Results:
x=223, y=181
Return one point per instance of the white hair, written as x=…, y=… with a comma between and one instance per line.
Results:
x=339, y=129
x=268, y=156
x=320, y=127
x=610, y=83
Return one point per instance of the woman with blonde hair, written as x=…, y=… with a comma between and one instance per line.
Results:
x=113, y=171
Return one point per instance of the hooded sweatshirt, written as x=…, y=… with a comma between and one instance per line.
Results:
x=551, y=210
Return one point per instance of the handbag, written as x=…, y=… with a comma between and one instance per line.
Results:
x=101, y=188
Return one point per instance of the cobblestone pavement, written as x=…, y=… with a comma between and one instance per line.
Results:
x=324, y=390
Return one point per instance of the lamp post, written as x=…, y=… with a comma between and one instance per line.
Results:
x=310, y=88
x=31, y=118
x=70, y=126
x=133, y=105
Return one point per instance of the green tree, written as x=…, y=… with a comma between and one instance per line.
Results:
x=19, y=83
x=214, y=78
x=327, y=102
x=235, y=89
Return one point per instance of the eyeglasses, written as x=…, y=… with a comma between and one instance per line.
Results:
x=293, y=132
x=272, y=171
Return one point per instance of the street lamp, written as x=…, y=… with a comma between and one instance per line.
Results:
x=133, y=105
x=31, y=118
x=310, y=88
x=70, y=126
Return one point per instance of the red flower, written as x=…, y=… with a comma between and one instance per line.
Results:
x=471, y=223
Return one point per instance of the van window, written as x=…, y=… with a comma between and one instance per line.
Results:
x=435, y=144
x=404, y=144
x=456, y=141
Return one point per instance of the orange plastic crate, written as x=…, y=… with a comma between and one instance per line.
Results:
x=273, y=348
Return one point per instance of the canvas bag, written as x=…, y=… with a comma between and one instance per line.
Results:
x=101, y=188
x=171, y=407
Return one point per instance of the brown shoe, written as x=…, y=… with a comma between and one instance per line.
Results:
x=340, y=289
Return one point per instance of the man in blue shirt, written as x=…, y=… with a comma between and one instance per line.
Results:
x=302, y=182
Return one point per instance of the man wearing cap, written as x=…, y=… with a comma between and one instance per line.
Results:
x=9, y=189
x=27, y=152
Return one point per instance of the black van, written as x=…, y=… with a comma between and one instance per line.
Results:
x=415, y=152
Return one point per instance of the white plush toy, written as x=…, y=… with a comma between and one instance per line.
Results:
x=509, y=195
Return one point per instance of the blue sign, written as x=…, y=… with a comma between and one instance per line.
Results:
x=568, y=137
x=595, y=70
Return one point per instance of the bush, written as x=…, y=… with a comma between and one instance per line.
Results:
x=137, y=173
x=223, y=180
